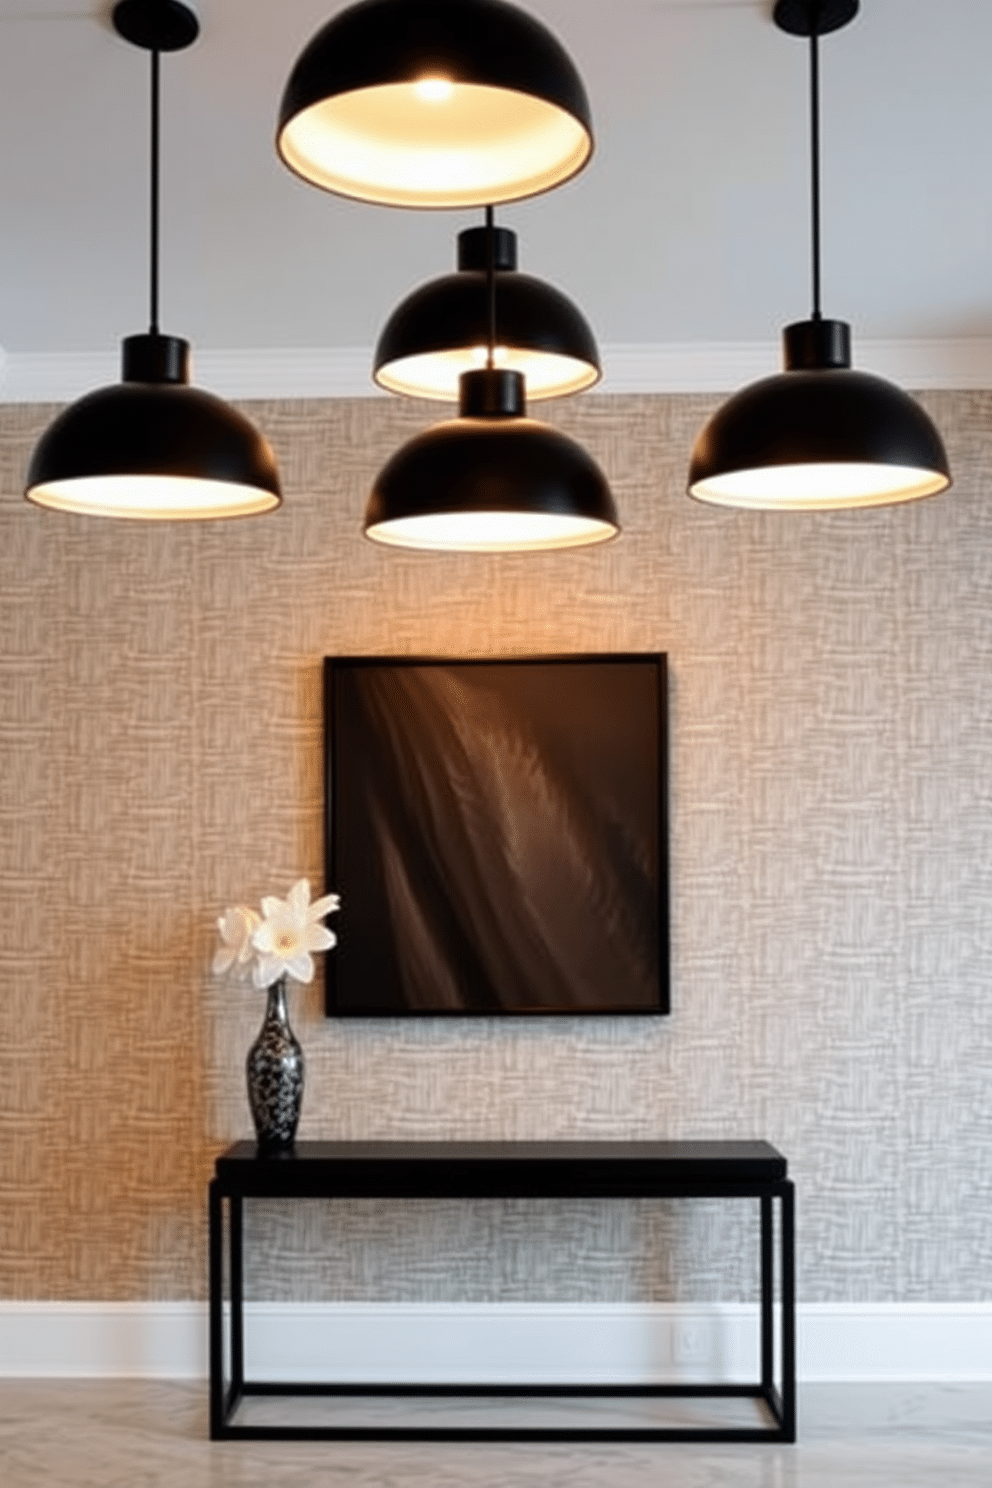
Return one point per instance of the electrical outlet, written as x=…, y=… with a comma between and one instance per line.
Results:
x=692, y=1341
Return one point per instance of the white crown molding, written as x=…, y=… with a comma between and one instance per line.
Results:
x=722, y=367
x=59, y=377
x=703, y=367
x=344, y=372
x=595, y=1342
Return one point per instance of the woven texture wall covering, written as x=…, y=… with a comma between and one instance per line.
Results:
x=831, y=845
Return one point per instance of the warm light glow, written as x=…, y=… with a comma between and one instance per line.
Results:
x=435, y=374
x=487, y=145
x=153, y=498
x=826, y=487
x=434, y=89
x=491, y=531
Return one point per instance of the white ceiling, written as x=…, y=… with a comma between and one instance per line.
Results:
x=689, y=227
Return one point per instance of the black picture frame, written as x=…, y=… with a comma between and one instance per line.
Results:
x=497, y=829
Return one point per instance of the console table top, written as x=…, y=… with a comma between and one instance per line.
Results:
x=502, y=1169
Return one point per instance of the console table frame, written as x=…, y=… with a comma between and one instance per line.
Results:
x=505, y=1170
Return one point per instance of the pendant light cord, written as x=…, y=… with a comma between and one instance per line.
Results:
x=154, y=214
x=490, y=289
x=814, y=136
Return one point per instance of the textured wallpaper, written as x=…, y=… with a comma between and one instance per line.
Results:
x=831, y=847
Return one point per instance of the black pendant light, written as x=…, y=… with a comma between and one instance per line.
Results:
x=441, y=330
x=818, y=436
x=434, y=103
x=152, y=447
x=491, y=480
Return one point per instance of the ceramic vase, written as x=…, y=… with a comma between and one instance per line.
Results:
x=275, y=1075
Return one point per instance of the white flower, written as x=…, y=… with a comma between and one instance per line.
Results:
x=237, y=925
x=290, y=929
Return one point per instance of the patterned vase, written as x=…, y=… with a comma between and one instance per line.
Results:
x=275, y=1075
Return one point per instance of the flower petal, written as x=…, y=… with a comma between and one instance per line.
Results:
x=301, y=967
x=229, y=925
x=271, y=905
x=224, y=958
x=318, y=938
x=267, y=969
x=321, y=907
x=298, y=897
x=262, y=938
x=235, y=926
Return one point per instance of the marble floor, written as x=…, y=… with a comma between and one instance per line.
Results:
x=140, y=1434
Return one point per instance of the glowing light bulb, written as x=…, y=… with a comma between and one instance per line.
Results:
x=434, y=89
x=478, y=356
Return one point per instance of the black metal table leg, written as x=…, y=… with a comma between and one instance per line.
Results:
x=215, y=1220
x=237, y=1296
x=767, y=1294
x=788, y=1311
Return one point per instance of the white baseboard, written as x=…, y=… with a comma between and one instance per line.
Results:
x=77, y=1340
x=506, y=1343
x=345, y=371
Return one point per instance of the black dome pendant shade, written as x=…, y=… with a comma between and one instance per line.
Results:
x=440, y=330
x=818, y=436
x=491, y=480
x=153, y=448
x=434, y=103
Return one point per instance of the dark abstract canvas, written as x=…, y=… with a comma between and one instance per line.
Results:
x=497, y=833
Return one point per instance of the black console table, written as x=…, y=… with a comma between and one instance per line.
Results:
x=505, y=1170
